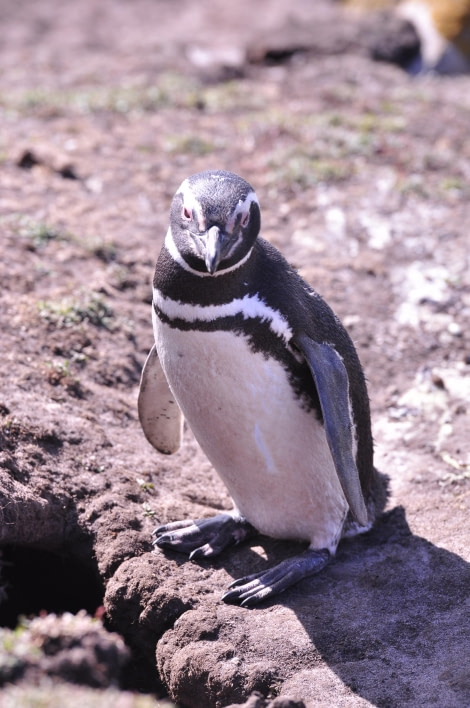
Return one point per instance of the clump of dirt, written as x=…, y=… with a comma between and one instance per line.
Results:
x=75, y=648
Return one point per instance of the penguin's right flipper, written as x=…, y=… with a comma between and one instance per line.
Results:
x=159, y=414
x=332, y=384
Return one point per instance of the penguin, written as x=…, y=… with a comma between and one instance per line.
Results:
x=443, y=28
x=422, y=36
x=267, y=379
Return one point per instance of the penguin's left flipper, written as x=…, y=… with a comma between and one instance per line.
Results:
x=332, y=384
x=255, y=588
x=159, y=414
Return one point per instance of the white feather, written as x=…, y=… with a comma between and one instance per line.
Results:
x=245, y=416
x=250, y=306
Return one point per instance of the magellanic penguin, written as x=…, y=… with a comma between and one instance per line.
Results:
x=269, y=382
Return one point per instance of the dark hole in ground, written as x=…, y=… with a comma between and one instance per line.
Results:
x=34, y=580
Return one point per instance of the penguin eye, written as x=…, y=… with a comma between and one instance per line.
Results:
x=187, y=213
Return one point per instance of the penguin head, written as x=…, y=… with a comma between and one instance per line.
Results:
x=214, y=220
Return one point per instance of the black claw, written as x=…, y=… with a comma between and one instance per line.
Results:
x=248, y=598
x=161, y=529
x=163, y=541
x=197, y=553
x=230, y=598
x=251, y=602
x=247, y=579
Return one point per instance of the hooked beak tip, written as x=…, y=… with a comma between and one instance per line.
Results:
x=213, y=250
x=212, y=261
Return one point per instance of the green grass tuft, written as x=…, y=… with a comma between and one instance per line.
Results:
x=68, y=312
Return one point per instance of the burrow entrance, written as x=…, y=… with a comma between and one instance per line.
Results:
x=33, y=580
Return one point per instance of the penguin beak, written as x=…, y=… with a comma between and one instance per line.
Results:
x=214, y=248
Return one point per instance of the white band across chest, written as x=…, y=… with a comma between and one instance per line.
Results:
x=249, y=306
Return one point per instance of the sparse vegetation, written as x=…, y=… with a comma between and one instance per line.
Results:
x=68, y=311
x=38, y=233
x=67, y=696
x=60, y=373
x=295, y=167
x=189, y=144
x=148, y=511
x=145, y=486
x=171, y=90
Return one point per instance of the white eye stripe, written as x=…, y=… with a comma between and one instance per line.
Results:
x=243, y=207
x=192, y=204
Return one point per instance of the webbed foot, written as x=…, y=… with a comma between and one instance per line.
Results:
x=252, y=589
x=205, y=537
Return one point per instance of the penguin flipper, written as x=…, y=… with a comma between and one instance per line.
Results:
x=332, y=384
x=159, y=414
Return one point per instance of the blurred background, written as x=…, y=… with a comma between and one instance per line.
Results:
x=351, y=120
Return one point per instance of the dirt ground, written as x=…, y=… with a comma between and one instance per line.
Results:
x=363, y=177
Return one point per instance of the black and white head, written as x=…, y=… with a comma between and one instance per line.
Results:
x=214, y=222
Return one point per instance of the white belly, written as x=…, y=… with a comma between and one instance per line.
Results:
x=271, y=454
